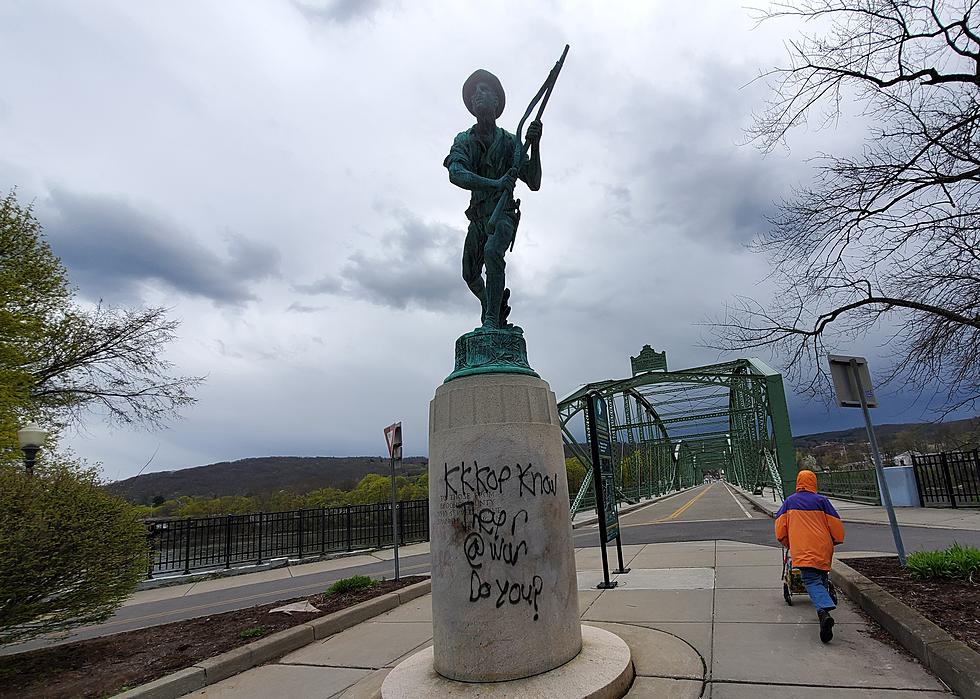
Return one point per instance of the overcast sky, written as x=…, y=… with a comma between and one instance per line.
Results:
x=271, y=171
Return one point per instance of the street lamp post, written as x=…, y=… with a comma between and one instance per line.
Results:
x=31, y=438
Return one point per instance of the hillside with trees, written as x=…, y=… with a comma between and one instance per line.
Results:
x=846, y=449
x=258, y=476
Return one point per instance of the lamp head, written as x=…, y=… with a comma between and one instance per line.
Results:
x=31, y=435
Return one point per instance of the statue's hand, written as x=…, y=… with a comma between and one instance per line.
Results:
x=534, y=132
x=508, y=180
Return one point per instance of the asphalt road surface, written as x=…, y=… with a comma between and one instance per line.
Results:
x=712, y=511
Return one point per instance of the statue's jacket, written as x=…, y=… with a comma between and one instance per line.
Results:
x=492, y=163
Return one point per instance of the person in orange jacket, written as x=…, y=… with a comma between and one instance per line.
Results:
x=809, y=526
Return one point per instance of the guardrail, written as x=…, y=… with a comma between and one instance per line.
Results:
x=859, y=485
x=948, y=479
x=183, y=545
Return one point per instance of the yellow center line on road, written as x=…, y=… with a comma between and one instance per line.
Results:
x=683, y=508
x=316, y=586
x=686, y=521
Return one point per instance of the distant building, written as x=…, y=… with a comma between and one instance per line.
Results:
x=905, y=458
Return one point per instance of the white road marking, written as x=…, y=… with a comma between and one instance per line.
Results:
x=737, y=501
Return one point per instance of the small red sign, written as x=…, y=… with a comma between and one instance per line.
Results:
x=393, y=436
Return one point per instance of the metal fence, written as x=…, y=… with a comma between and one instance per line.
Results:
x=949, y=479
x=859, y=485
x=183, y=545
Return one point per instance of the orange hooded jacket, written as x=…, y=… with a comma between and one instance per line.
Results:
x=808, y=525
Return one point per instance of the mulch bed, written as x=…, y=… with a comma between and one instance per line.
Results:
x=100, y=667
x=953, y=605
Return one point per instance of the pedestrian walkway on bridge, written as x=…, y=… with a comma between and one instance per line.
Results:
x=702, y=619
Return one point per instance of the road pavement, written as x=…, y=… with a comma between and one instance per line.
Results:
x=706, y=513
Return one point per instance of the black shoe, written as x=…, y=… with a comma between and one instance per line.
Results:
x=826, y=625
x=504, y=308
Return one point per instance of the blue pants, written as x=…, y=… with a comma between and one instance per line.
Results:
x=815, y=581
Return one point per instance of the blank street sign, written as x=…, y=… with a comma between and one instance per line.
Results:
x=847, y=392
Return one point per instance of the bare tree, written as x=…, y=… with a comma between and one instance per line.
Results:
x=59, y=360
x=889, y=237
x=110, y=361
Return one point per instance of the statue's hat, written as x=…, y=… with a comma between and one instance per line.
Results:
x=483, y=76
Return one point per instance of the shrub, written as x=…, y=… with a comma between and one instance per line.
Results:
x=70, y=551
x=351, y=584
x=955, y=562
x=253, y=632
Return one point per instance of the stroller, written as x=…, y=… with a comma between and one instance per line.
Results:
x=793, y=581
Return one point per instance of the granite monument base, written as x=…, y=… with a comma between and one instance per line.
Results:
x=602, y=670
x=504, y=591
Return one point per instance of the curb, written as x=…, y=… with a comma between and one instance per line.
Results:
x=232, y=662
x=953, y=661
x=630, y=508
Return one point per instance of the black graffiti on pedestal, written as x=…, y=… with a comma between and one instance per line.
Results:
x=510, y=591
x=492, y=534
x=479, y=480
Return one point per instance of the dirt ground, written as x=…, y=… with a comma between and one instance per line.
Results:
x=954, y=605
x=100, y=667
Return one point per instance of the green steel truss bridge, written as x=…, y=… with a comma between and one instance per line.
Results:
x=672, y=428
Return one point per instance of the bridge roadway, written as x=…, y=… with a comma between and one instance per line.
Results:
x=707, y=512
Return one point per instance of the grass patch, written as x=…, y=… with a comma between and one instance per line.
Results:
x=253, y=632
x=955, y=562
x=351, y=584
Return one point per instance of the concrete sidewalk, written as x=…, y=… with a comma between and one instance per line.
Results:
x=703, y=619
x=934, y=517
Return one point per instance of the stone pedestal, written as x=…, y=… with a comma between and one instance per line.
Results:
x=504, y=593
x=505, y=617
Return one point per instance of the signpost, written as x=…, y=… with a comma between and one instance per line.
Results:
x=393, y=436
x=602, y=479
x=852, y=383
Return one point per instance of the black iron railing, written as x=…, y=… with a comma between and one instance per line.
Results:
x=859, y=485
x=949, y=479
x=184, y=545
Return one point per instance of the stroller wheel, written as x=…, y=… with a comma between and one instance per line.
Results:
x=786, y=595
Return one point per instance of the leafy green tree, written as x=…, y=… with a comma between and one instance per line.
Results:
x=326, y=497
x=33, y=291
x=576, y=474
x=71, y=552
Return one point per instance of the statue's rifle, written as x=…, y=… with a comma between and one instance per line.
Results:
x=521, y=148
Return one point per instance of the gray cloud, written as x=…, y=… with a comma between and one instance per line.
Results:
x=338, y=11
x=688, y=167
x=324, y=285
x=111, y=249
x=416, y=264
x=302, y=308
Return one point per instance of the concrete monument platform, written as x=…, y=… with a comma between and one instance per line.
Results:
x=603, y=669
x=504, y=597
x=505, y=604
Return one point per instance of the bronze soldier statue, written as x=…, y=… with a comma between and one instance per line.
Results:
x=487, y=160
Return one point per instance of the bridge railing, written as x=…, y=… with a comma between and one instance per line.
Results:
x=859, y=485
x=201, y=543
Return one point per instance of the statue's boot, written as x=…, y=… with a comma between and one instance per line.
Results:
x=494, y=299
x=504, y=308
